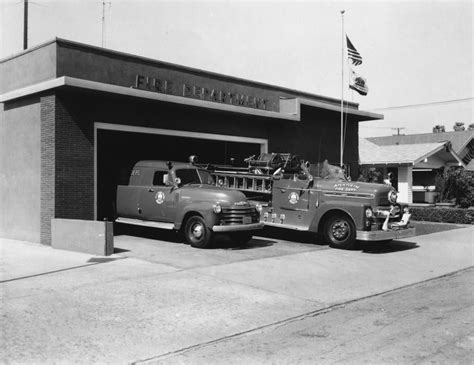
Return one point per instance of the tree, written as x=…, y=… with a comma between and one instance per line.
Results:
x=439, y=128
x=370, y=174
x=459, y=126
x=471, y=127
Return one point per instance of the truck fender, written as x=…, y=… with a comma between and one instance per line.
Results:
x=354, y=210
x=203, y=209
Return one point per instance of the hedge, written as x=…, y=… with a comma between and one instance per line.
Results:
x=445, y=215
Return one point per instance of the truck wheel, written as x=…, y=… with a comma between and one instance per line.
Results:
x=340, y=232
x=197, y=233
x=241, y=238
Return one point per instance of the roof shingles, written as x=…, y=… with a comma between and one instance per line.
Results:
x=372, y=154
x=459, y=140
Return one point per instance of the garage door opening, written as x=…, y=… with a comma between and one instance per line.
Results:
x=117, y=152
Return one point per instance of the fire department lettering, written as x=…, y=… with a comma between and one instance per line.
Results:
x=160, y=197
x=346, y=187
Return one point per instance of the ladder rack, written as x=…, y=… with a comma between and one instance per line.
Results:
x=245, y=182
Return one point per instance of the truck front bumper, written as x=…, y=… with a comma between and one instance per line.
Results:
x=237, y=227
x=385, y=235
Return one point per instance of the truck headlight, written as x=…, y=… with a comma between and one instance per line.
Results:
x=369, y=213
x=217, y=208
x=392, y=196
x=258, y=207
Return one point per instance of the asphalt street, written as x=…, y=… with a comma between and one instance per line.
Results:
x=427, y=323
x=156, y=297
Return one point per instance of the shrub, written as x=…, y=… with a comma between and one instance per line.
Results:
x=445, y=215
x=455, y=184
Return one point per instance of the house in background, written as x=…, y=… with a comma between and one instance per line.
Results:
x=414, y=159
x=462, y=142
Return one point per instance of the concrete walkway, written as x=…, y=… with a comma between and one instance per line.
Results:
x=60, y=306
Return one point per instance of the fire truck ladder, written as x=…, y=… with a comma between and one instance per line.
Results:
x=244, y=181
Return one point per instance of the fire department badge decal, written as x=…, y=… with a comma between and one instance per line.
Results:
x=293, y=198
x=160, y=197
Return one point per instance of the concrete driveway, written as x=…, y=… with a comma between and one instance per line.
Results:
x=165, y=247
x=155, y=297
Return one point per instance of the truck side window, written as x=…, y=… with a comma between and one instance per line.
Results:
x=158, y=178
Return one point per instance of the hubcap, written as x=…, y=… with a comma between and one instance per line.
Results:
x=340, y=230
x=197, y=230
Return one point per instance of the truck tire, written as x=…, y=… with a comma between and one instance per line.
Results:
x=241, y=238
x=197, y=233
x=340, y=232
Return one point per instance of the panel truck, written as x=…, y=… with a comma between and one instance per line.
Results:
x=184, y=197
x=319, y=199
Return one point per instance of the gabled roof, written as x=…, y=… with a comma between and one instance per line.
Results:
x=411, y=154
x=470, y=165
x=459, y=140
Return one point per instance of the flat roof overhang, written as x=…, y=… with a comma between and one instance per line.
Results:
x=294, y=106
x=290, y=109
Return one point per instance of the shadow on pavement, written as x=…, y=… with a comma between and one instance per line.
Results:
x=220, y=241
x=227, y=244
x=293, y=236
x=102, y=260
x=382, y=247
x=120, y=250
x=146, y=232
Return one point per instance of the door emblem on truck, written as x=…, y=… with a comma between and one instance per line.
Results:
x=293, y=198
x=160, y=197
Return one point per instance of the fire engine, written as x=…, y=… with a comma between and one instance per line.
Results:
x=318, y=198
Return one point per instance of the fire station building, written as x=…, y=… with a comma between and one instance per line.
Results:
x=75, y=118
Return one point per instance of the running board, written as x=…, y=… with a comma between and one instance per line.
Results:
x=138, y=222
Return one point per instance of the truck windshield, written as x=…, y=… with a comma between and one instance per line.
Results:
x=206, y=177
x=194, y=176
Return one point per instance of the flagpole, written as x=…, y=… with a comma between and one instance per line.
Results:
x=342, y=90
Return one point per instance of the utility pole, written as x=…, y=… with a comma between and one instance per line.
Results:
x=103, y=20
x=398, y=129
x=25, y=24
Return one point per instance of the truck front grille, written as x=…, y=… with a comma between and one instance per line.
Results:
x=383, y=201
x=239, y=215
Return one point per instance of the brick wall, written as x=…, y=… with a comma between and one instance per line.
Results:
x=316, y=138
x=74, y=168
x=67, y=165
x=48, y=104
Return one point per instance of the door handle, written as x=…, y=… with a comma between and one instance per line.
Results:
x=283, y=190
x=151, y=190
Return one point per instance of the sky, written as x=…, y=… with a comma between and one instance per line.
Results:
x=417, y=55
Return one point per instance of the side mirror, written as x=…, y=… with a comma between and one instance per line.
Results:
x=177, y=181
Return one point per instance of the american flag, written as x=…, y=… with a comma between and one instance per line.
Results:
x=352, y=53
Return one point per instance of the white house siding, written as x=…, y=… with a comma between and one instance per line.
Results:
x=405, y=184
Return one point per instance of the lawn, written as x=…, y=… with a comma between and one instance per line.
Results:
x=433, y=227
